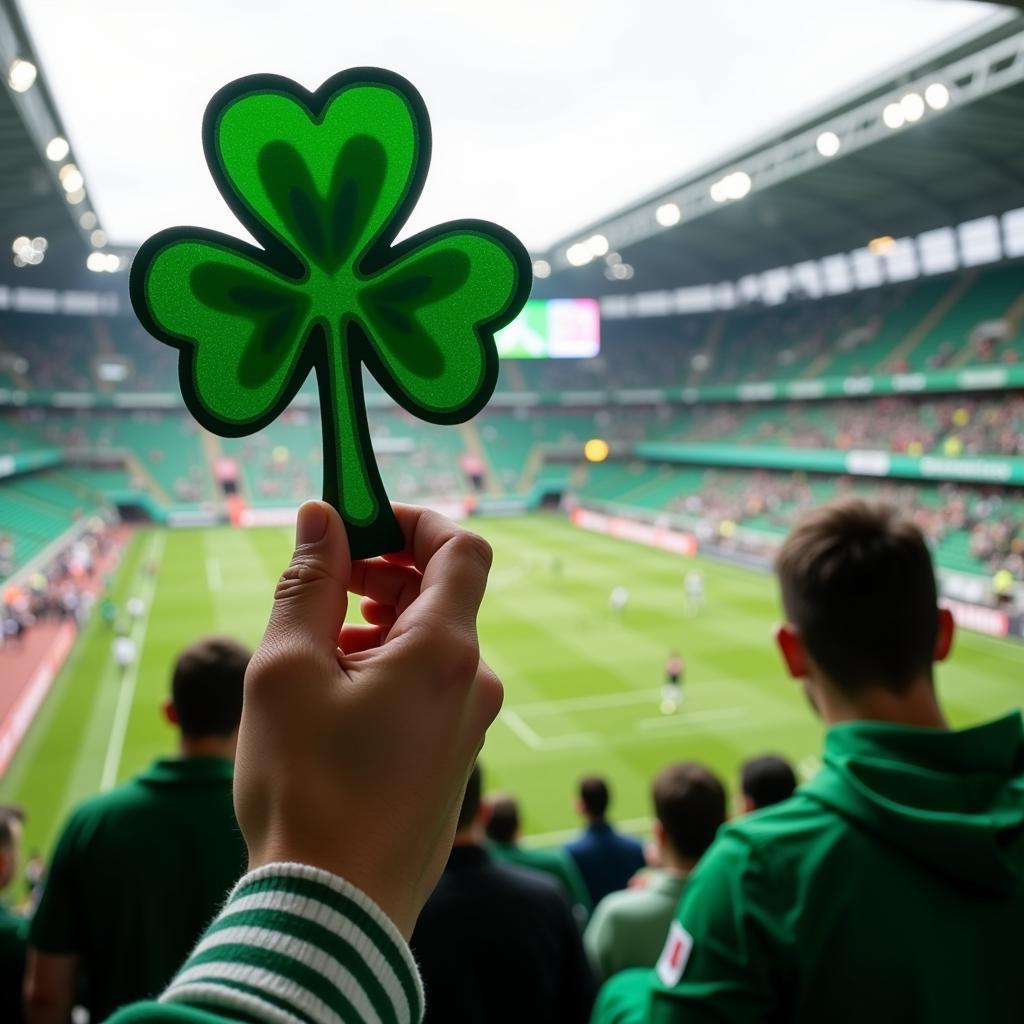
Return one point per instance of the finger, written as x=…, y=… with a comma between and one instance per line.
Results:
x=311, y=598
x=356, y=638
x=377, y=614
x=385, y=583
x=454, y=563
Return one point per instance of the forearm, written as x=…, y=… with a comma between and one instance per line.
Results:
x=294, y=939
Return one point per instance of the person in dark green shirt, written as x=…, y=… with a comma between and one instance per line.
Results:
x=13, y=927
x=503, y=827
x=139, y=872
x=891, y=887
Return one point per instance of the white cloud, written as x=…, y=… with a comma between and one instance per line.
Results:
x=546, y=113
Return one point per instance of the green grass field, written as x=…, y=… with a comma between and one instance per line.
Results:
x=581, y=688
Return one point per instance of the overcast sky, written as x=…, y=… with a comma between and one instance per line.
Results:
x=546, y=113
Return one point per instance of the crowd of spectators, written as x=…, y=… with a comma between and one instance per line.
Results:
x=991, y=517
x=65, y=589
x=752, y=342
x=948, y=426
x=384, y=884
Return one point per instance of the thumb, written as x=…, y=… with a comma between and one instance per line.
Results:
x=311, y=598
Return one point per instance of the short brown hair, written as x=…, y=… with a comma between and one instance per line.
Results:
x=595, y=796
x=689, y=801
x=471, y=798
x=10, y=817
x=503, y=821
x=206, y=686
x=858, y=584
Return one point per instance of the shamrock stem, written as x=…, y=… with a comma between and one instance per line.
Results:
x=352, y=481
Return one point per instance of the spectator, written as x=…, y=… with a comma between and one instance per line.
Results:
x=628, y=928
x=496, y=943
x=766, y=780
x=13, y=927
x=606, y=859
x=503, y=832
x=889, y=888
x=139, y=872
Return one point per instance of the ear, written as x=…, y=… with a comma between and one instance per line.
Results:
x=485, y=813
x=944, y=639
x=792, y=649
x=170, y=712
x=658, y=831
x=748, y=804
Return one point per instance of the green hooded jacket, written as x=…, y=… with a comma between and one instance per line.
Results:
x=888, y=889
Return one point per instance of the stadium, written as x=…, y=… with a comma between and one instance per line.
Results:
x=830, y=307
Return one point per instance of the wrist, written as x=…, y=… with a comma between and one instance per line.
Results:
x=393, y=900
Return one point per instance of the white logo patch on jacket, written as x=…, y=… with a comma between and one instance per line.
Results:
x=675, y=954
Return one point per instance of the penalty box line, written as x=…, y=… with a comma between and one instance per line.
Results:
x=682, y=721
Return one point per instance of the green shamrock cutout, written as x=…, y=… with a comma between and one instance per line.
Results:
x=324, y=181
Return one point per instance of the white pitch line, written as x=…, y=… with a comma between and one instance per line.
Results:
x=213, y=573
x=595, y=702
x=521, y=729
x=684, y=719
x=126, y=695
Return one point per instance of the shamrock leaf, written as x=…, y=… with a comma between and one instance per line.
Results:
x=324, y=182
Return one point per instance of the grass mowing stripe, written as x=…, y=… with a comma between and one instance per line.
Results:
x=50, y=758
x=578, y=681
x=126, y=692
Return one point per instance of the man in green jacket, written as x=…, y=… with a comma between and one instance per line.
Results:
x=502, y=813
x=139, y=872
x=891, y=887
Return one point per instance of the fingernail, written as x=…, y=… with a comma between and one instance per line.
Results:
x=311, y=524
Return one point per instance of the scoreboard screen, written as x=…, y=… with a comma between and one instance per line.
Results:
x=553, y=329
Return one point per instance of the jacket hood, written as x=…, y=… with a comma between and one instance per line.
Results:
x=951, y=800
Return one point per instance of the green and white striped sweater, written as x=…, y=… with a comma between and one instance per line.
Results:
x=293, y=945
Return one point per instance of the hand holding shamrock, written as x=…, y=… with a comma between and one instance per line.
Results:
x=324, y=182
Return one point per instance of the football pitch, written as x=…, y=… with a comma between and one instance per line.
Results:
x=582, y=686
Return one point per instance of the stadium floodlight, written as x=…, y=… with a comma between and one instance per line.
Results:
x=88, y=220
x=597, y=245
x=98, y=238
x=667, y=215
x=912, y=106
x=937, y=96
x=718, y=192
x=57, y=148
x=96, y=262
x=112, y=263
x=28, y=252
x=74, y=198
x=893, y=116
x=541, y=269
x=736, y=185
x=881, y=245
x=71, y=178
x=828, y=144
x=21, y=75
x=579, y=254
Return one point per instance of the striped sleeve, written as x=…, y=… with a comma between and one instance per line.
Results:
x=297, y=945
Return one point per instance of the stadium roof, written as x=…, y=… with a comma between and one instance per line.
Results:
x=33, y=202
x=939, y=168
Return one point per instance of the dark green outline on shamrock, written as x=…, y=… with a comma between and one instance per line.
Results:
x=403, y=303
